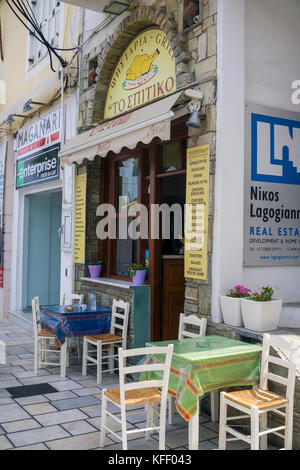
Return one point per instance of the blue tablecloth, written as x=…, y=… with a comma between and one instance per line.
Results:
x=76, y=323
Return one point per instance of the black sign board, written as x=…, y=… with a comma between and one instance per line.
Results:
x=40, y=167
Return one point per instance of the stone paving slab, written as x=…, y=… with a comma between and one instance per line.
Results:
x=31, y=400
x=40, y=408
x=22, y=425
x=80, y=402
x=36, y=436
x=12, y=412
x=77, y=428
x=90, y=441
x=5, y=444
x=60, y=417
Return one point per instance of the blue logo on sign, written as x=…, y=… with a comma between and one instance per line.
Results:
x=275, y=150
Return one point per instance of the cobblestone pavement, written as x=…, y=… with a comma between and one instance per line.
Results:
x=69, y=419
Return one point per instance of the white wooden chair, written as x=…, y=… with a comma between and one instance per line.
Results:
x=200, y=325
x=43, y=340
x=68, y=299
x=256, y=403
x=119, y=324
x=150, y=393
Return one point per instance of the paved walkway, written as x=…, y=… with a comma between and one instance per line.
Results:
x=70, y=418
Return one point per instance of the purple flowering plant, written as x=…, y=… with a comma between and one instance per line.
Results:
x=239, y=291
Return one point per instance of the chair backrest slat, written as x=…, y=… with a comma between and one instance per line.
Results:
x=191, y=320
x=123, y=318
x=163, y=368
x=71, y=297
x=291, y=348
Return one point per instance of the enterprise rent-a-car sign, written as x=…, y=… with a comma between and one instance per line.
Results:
x=272, y=188
x=37, y=153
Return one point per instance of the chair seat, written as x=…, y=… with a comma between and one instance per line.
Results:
x=141, y=396
x=105, y=338
x=46, y=334
x=260, y=398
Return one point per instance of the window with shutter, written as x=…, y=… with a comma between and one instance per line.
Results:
x=48, y=16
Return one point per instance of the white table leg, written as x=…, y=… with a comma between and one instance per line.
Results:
x=194, y=429
x=63, y=359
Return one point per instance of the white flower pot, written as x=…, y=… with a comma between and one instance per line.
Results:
x=231, y=310
x=261, y=316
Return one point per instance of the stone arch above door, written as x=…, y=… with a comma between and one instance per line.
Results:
x=111, y=49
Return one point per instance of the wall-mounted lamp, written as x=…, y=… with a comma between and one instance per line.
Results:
x=117, y=7
x=194, y=107
x=10, y=118
x=27, y=106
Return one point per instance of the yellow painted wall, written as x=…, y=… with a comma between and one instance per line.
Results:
x=19, y=78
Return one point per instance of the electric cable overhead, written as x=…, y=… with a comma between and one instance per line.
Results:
x=25, y=14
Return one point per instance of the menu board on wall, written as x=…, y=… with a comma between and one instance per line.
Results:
x=196, y=216
x=272, y=187
x=80, y=219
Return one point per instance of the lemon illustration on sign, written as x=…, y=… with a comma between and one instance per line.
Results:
x=141, y=70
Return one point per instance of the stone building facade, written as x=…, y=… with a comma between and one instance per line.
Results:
x=195, y=50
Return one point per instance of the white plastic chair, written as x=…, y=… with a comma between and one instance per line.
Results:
x=42, y=343
x=256, y=403
x=119, y=324
x=144, y=392
x=68, y=299
x=200, y=324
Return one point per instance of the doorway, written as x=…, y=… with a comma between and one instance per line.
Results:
x=173, y=190
x=42, y=255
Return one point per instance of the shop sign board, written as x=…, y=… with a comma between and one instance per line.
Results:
x=145, y=72
x=272, y=187
x=196, y=215
x=80, y=218
x=37, y=168
x=38, y=144
x=40, y=134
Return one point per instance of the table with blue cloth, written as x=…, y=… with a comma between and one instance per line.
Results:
x=76, y=323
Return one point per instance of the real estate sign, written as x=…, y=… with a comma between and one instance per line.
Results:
x=272, y=187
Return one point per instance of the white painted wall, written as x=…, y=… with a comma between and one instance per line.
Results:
x=258, y=59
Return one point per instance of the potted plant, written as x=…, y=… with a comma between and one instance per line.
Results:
x=231, y=305
x=95, y=268
x=260, y=311
x=138, y=273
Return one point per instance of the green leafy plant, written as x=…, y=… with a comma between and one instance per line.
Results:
x=94, y=263
x=265, y=295
x=133, y=268
x=238, y=292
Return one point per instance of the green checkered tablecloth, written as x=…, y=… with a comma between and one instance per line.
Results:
x=203, y=364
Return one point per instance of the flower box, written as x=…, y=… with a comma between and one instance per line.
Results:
x=231, y=310
x=261, y=316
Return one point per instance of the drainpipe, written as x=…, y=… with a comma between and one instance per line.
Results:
x=62, y=123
